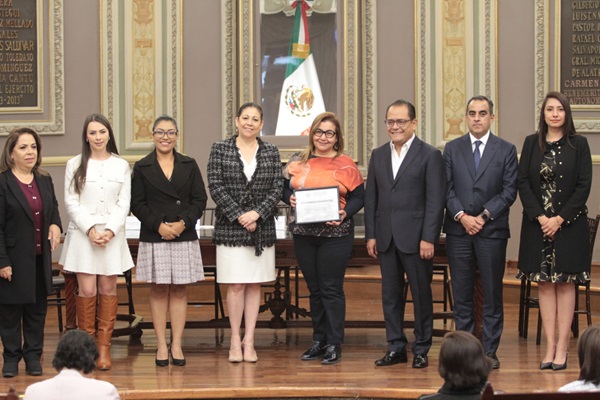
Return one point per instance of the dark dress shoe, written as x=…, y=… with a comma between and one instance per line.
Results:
x=391, y=358
x=33, y=367
x=560, y=367
x=10, y=369
x=420, y=361
x=494, y=358
x=178, y=362
x=333, y=354
x=546, y=365
x=161, y=363
x=315, y=351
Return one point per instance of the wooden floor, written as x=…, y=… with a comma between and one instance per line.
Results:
x=280, y=373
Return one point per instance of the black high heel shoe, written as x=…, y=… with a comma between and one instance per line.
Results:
x=161, y=363
x=546, y=365
x=559, y=367
x=178, y=362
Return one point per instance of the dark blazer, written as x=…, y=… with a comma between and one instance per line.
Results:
x=234, y=195
x=409, y=208
x=17, y=240
x=493, y=188
x=155, y=200
x=573, y=185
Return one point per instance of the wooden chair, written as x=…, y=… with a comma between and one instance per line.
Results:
x=206, y=221
x=56, y=298
x=527, y=302
x=488, y=394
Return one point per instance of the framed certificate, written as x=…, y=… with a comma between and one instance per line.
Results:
x=317, y=205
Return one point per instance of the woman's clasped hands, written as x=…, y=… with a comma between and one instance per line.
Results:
x=100, y=239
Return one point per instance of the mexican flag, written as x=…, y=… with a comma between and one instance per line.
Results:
x=301, y=98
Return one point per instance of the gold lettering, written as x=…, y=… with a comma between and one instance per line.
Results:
x=584, y=38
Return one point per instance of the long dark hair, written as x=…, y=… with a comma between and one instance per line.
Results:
x=588, y=350
x=568, y=127
x=6, y=161
x=81, y=172
x=462, y=362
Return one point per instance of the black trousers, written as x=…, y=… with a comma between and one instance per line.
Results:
x=394, y=265
x=466, y=254
x=28, y=318
x=323, y=262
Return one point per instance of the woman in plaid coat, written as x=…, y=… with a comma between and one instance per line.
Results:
x=245, y=182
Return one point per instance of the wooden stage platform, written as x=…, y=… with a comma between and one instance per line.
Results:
x=280, y=373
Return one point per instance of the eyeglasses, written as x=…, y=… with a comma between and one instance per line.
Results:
x=170, y=134
x=400, y=122
x=328, y=134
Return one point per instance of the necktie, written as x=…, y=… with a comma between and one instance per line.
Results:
x=477, y=154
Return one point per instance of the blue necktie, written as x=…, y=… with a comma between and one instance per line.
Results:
x=477, y=154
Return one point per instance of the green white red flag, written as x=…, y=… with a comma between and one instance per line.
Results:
x=301, y=97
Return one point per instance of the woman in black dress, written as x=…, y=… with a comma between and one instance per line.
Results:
x=554, y=180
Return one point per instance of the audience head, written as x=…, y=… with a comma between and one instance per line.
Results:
x=588, y=351
x=76, y=350
x=463, y=363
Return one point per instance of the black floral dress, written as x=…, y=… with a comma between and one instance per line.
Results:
x=548, y=271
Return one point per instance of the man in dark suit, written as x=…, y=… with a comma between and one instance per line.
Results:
x=482, y=185
x=404, y=207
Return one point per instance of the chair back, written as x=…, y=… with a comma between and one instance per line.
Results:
x=593, y=225
x=488, y=394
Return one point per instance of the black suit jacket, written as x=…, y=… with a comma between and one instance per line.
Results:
x=155, y=200
x=493, y=187
x=17, y=240
x=410, y=207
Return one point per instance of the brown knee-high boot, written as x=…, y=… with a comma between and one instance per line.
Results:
x=107, y=315
x=86, y=314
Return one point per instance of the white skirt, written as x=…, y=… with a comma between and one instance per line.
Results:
x=80, y=256
x=240, y=265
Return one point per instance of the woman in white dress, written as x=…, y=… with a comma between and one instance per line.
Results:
x=97, y=195
x=245, y=182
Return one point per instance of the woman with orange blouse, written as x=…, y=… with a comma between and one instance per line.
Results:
x=323, y=249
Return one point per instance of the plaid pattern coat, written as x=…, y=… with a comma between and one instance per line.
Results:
x=234, y=195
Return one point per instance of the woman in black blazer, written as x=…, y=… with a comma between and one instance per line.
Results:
x=29, y=231
x=554, y=180
x=168, y=197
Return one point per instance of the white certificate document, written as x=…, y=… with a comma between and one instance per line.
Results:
x=317, y=205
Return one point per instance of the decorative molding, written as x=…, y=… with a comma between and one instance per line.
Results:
x=541, y=52
x=369, y=80
x=141, y=68
x=456, y=58
x=53, y=67
x=228, y=63
x=358, y=81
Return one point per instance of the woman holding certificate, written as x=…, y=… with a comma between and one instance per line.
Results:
x=244, y=179
x=324, y=248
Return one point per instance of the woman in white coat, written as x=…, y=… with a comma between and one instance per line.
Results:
x=97, y=195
